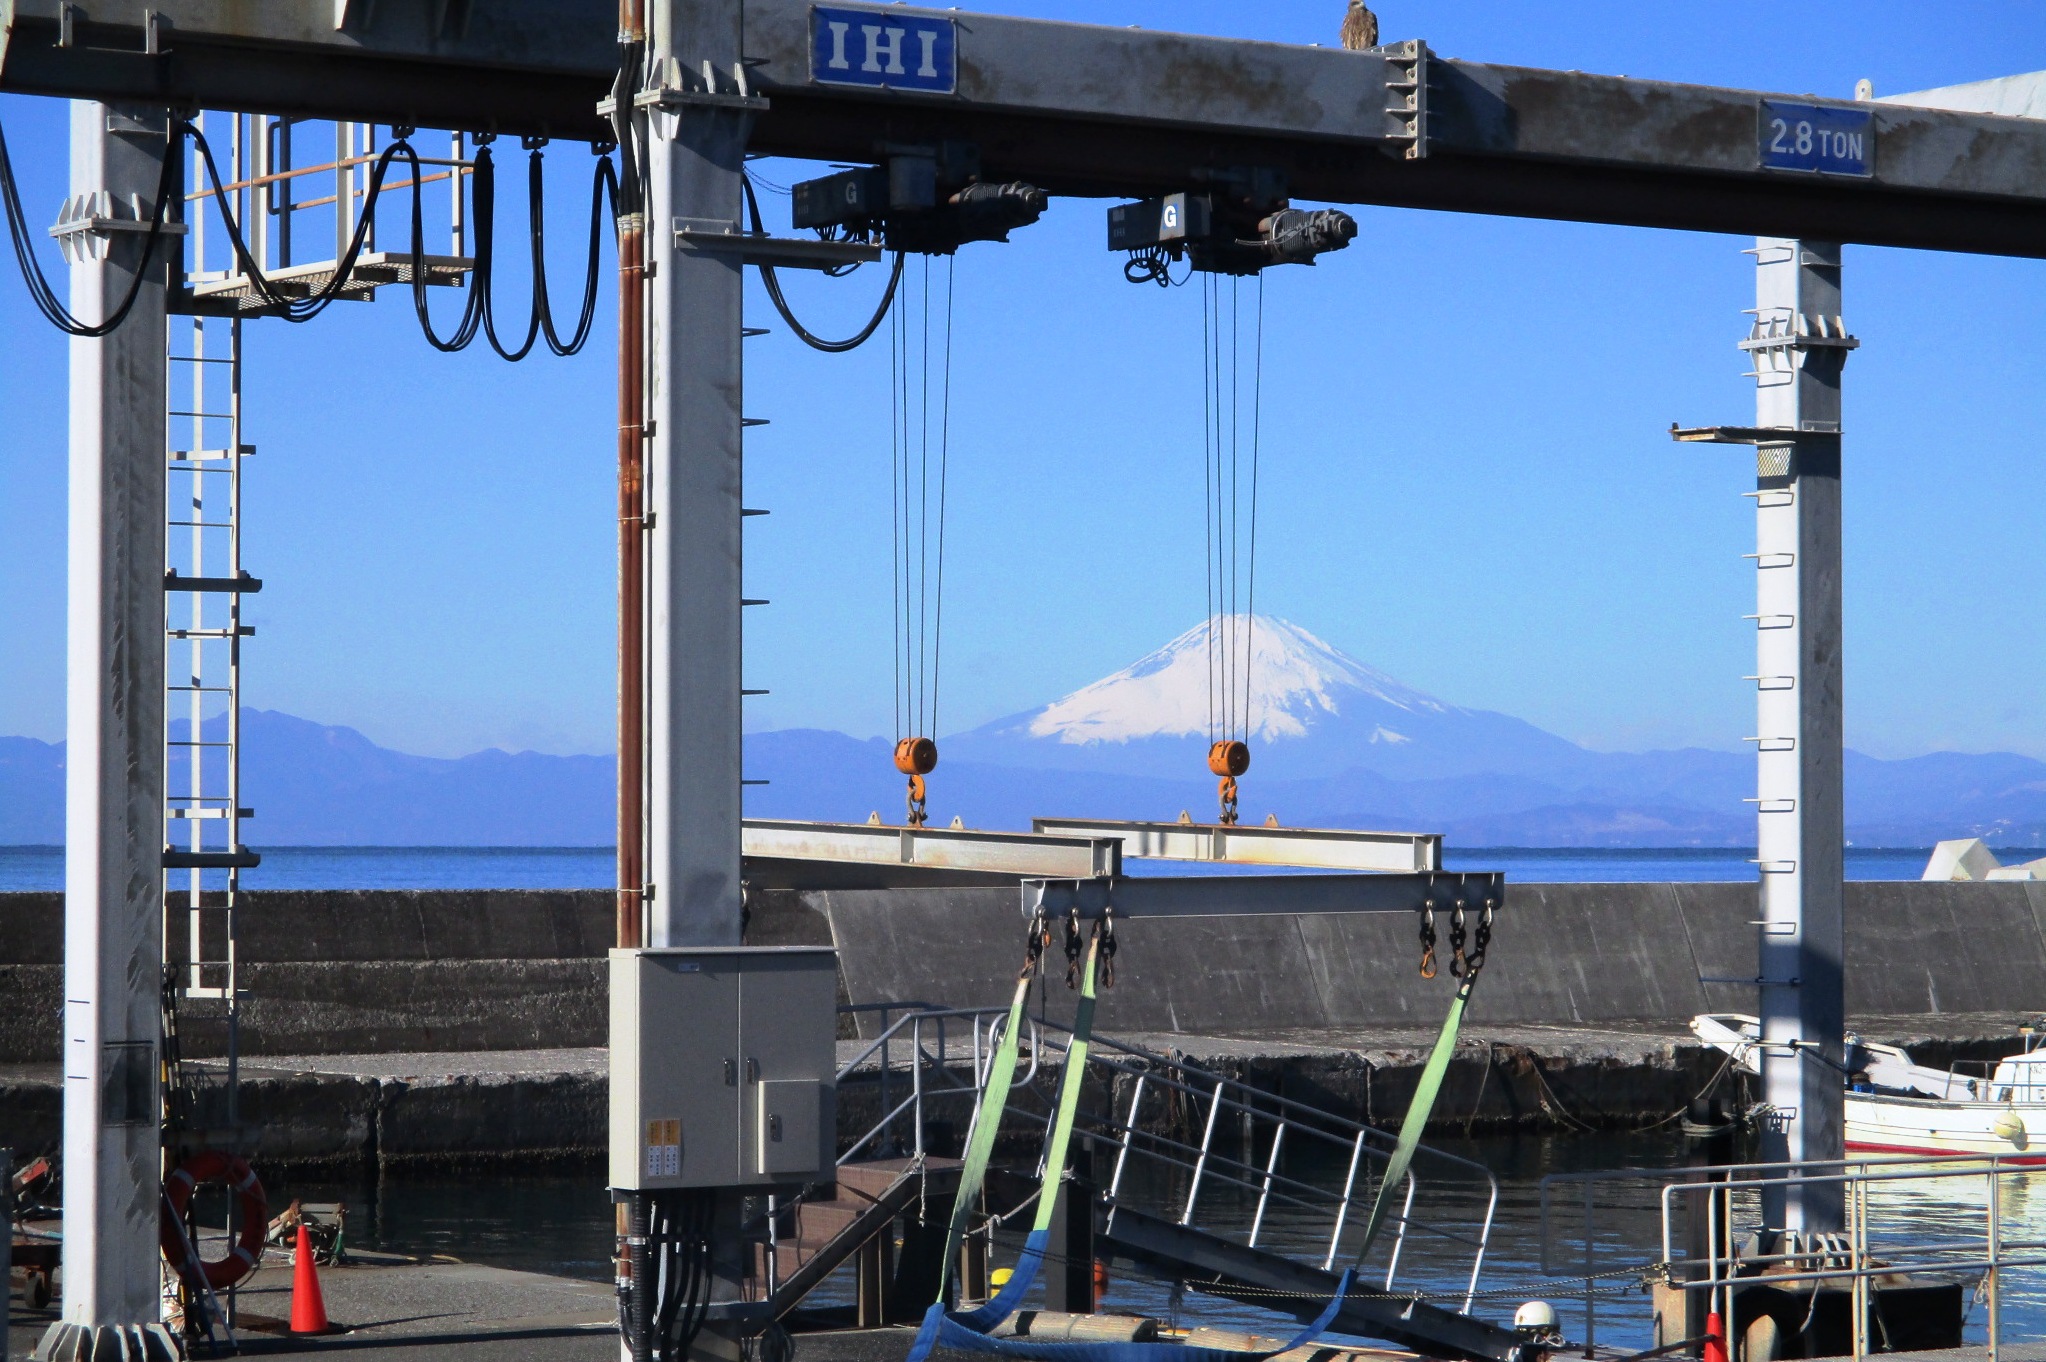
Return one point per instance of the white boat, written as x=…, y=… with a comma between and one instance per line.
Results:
x=1896, y=1106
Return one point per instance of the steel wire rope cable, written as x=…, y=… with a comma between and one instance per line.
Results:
x=781, y=303
x=1231, y=554
x=916, y=366
x=40, y=291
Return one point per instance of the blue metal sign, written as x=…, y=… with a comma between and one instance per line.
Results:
x=1817, y=138
x=884, y=50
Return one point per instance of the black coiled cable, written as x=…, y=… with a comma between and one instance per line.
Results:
x=682, y=1248
x=781, y=304
x=478, y=310
x=39, y=290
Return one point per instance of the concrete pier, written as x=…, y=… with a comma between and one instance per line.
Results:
x=391, y=1029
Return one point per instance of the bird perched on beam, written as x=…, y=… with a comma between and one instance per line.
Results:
x=1360, y=27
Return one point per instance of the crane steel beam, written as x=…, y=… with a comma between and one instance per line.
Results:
x=1237, y=895
x=1089, y=110
x=1244, y=844
x=1069, y=856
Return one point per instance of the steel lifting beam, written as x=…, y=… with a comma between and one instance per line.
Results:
x=1080, y=109
x=1243, y=844
x=1236, y=895
x=1003, y=853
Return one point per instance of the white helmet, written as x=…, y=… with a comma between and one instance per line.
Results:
x=1535, y=1317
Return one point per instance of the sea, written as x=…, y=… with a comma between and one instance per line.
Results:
x=31, y=868
x=561, y=1221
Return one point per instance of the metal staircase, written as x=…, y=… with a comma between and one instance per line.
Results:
x=1200, y=1179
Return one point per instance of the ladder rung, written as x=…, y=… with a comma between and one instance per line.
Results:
x=754, y=602
x=239, y=859
x=242, y=585
x=756, y=782
x=202, y=524
x=206, y=813
x=752, y=420
x=752, y=692
x=208, y=455
x=244, y=631
x=202, y=359
x=205, y=415
x=209, y=690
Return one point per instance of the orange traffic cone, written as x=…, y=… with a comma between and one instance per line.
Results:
x=308, y=1307
x=1715, y=1335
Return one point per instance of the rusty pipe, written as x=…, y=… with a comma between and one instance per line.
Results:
x=630, y=1265
x=631, y=513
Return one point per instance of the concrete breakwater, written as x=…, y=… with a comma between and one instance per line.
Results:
x=395, y=1027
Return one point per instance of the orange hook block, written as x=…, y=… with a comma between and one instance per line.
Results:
x=1225, y=759
x=916, y=756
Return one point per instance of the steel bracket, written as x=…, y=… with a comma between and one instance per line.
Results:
x=88, y=222
x=714, y=235
x=1406, y=97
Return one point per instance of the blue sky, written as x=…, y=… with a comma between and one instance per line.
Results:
x=1467, y=477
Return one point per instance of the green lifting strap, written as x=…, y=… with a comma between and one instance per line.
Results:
x=987, y=1116
x=1425, y=1093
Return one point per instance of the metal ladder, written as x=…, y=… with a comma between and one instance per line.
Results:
x=204, y=583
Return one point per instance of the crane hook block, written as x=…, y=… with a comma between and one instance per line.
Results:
x=1225, y=759
x=919, y=756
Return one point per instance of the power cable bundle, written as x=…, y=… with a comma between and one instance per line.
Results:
x=479, y=308
x=1231, y=567
x=663, y=1313
x=39, y=290
x=781, y=303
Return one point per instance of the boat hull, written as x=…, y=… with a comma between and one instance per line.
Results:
x=1895, y=1124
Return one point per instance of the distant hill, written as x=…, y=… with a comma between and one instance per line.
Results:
x=1336, y=744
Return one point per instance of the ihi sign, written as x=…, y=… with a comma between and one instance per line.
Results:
x=883, y=50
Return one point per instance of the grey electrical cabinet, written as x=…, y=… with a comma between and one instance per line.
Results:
x=722, y=1065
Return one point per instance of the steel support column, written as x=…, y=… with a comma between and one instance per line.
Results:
x=696, y=151
x=696, y=144
x=1799, y=346
x=694, y=116
x=113, y=831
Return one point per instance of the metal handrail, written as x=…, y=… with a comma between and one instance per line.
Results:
x=1207, y=1165
x=1815, y=1258
x=924, y=1029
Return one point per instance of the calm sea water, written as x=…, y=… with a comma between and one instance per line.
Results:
x=42, y=868
x=562, y=1223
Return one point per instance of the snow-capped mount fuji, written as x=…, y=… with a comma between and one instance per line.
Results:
x=1314, y=712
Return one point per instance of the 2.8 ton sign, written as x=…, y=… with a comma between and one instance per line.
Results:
x=1817, y=138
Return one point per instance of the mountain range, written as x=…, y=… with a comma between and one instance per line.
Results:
x=1334, y=742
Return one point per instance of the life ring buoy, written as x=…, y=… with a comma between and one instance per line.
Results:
x=213, y=1166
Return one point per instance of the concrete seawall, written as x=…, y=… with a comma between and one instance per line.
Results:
x=392, y=1027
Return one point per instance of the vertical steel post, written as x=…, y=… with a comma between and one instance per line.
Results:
x=114, y=784
x=1799, y=345
x=693, y=115
x=698, y=125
